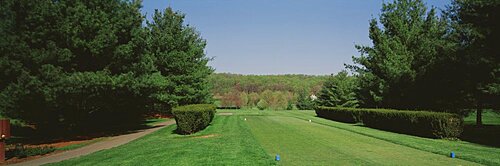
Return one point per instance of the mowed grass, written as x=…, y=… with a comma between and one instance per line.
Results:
x=228, y=141
x=231, y=140
x=299, y=142
x=463, y=150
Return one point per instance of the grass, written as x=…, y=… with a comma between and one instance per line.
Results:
x=231, y=140
x=489, y=118
x=228, y=141
x=304, y=143
x=154, y=121
x=486, y=134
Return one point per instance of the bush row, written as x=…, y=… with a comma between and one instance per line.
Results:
x=24, y=151
x=193, y=118
x=419, y=123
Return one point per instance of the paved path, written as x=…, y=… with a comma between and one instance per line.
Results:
x=101, y=145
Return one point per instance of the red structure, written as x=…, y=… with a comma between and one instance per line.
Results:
x=4, y=134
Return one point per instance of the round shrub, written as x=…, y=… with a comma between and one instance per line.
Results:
x=193, y=118
x=262, y=104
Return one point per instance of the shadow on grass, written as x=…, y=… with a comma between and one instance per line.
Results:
x=28, y=136
x=485, y=135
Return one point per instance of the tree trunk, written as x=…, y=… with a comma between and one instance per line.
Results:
x=479, y=119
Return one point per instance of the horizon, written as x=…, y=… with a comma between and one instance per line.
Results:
x=279, y=37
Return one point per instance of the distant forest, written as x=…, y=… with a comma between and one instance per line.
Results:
x=263, y=91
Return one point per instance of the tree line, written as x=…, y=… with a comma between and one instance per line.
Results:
x=265, y=91
x=70, y=65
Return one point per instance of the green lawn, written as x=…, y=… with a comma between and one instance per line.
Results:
x=231, y=140
x=228, y=141
x=317, y=144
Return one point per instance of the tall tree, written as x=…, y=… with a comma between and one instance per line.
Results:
x=66, y=63
x=177, y=53
x=476, y=32
x=407, y=41
x=63, y=61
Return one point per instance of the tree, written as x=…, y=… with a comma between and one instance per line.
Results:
x=232, y=99
x=65, y=64
x=476, y=34
x=396, y=71
x=177, y=52
x=304, y=101
x=338, y=91
x=262, y=104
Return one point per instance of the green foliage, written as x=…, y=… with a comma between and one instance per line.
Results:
x=289, y=106
x=177, y=52
x=24, y=151
x=420, y=123
x=193, y=118
x=338, y=114
x=277, y=90
x=262, y=104
x=65, y=64
x=226, y=82
x=476, y=34
x=338, y=91
x=402, y=67
x=304, y=101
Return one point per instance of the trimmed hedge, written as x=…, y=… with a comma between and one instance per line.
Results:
x=419, y=123
x=346, y=115
x=193, y=118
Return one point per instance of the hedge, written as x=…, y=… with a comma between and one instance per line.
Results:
x=338, y=114
x=419, y=123
x=193, y=118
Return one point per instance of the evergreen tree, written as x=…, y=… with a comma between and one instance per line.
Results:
x=396, y=71
x=67, y=63
x=476, y=34
x=176, y=52
x=338, y=91
x=304, y=101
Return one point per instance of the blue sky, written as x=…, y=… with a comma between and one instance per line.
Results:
x=279, y=36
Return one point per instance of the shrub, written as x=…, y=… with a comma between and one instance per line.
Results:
x=304, y=102
x=24, y=151
x=262, y=104
x=193, y=118
x=419, y=123
x=338, y=114
x=289, y=105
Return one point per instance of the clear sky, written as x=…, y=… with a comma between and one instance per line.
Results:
x=279, y=36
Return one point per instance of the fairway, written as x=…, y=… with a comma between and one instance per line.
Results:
x=313, y=144
x=232, y=140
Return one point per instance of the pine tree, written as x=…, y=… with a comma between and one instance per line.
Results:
x=407, y=41
x=338, y=91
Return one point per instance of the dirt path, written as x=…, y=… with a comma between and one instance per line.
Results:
x=102, y=145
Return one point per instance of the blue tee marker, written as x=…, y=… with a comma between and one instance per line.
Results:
x=452, y=154
x=277, y=157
